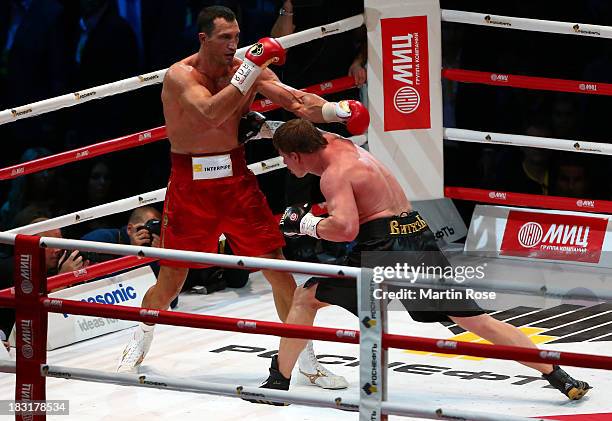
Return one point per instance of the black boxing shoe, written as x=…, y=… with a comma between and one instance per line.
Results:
x=566, y=384
x=274, y=381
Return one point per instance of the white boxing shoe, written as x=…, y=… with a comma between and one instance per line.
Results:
x=136, y=349
x=314, y=373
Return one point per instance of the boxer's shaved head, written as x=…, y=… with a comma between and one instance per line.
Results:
x=298, y=135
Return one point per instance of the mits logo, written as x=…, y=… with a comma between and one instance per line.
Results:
x=554, y=237
x=405, y=73
x=117, y=296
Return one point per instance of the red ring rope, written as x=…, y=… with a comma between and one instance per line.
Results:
x=87, y=152
x=528, y=200
x=528, y=82
x=324, y=334
x=144, y=137
x=65, y=280
x=523, y=199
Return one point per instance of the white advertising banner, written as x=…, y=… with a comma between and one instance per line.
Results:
x=126, y=289
x=405, y=92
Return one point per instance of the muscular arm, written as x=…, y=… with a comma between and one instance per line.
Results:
x=196, y=100
x=302, y=104
x=342, y=224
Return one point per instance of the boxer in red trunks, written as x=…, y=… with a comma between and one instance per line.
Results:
x=197, y=213
x=211, y=191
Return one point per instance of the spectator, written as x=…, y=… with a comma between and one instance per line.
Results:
x=326, y=58
x=142, y=229
x=571, y=179
x=97, y=188
x=99, y=184
x=103, y=50
x=529, y=174
x=566, y=118
x=56, y=261
x=38, y=189
x=31, y=39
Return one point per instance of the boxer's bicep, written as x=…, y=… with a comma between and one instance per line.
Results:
x=342, y=224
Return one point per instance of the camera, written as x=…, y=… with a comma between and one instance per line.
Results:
x=93, y=257
x=153, y=226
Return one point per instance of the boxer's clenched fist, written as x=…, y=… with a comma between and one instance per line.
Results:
x=351, y=112
x=257, y=58
x=297, y=220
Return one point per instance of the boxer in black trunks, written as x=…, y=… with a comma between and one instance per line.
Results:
x=366, y=203
x=419, y=246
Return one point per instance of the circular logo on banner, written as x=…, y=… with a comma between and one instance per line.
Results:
x=530, y=234
x=406, y=99
x=26, y=286
x=27, y=351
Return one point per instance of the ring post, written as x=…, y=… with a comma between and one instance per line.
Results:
x=30, y=322
x=372, y=356
x=405, y=92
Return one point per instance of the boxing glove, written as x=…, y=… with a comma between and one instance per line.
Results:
x=257, y=58
x=351, y=112
x=297, y=220
x=249, y=126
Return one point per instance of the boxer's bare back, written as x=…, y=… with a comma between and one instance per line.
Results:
x=356, y=182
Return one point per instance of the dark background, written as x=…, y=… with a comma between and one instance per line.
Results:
x=42, y=62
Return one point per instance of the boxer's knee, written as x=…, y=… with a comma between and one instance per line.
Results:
x=274, y=254
x=482, y=324
x=305, y=299
x=170, y=281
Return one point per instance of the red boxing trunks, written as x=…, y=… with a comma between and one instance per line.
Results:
x=213, y=194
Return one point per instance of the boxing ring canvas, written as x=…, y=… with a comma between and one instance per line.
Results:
x=487, y=385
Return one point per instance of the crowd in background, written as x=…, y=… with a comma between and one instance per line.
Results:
x=528, y=112
x=53, y=47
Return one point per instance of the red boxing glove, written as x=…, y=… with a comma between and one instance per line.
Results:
x=359, y=120
x=351, y=112
x=257, y=58
x=265, y=52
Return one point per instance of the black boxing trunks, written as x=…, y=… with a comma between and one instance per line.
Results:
x=405, y=233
